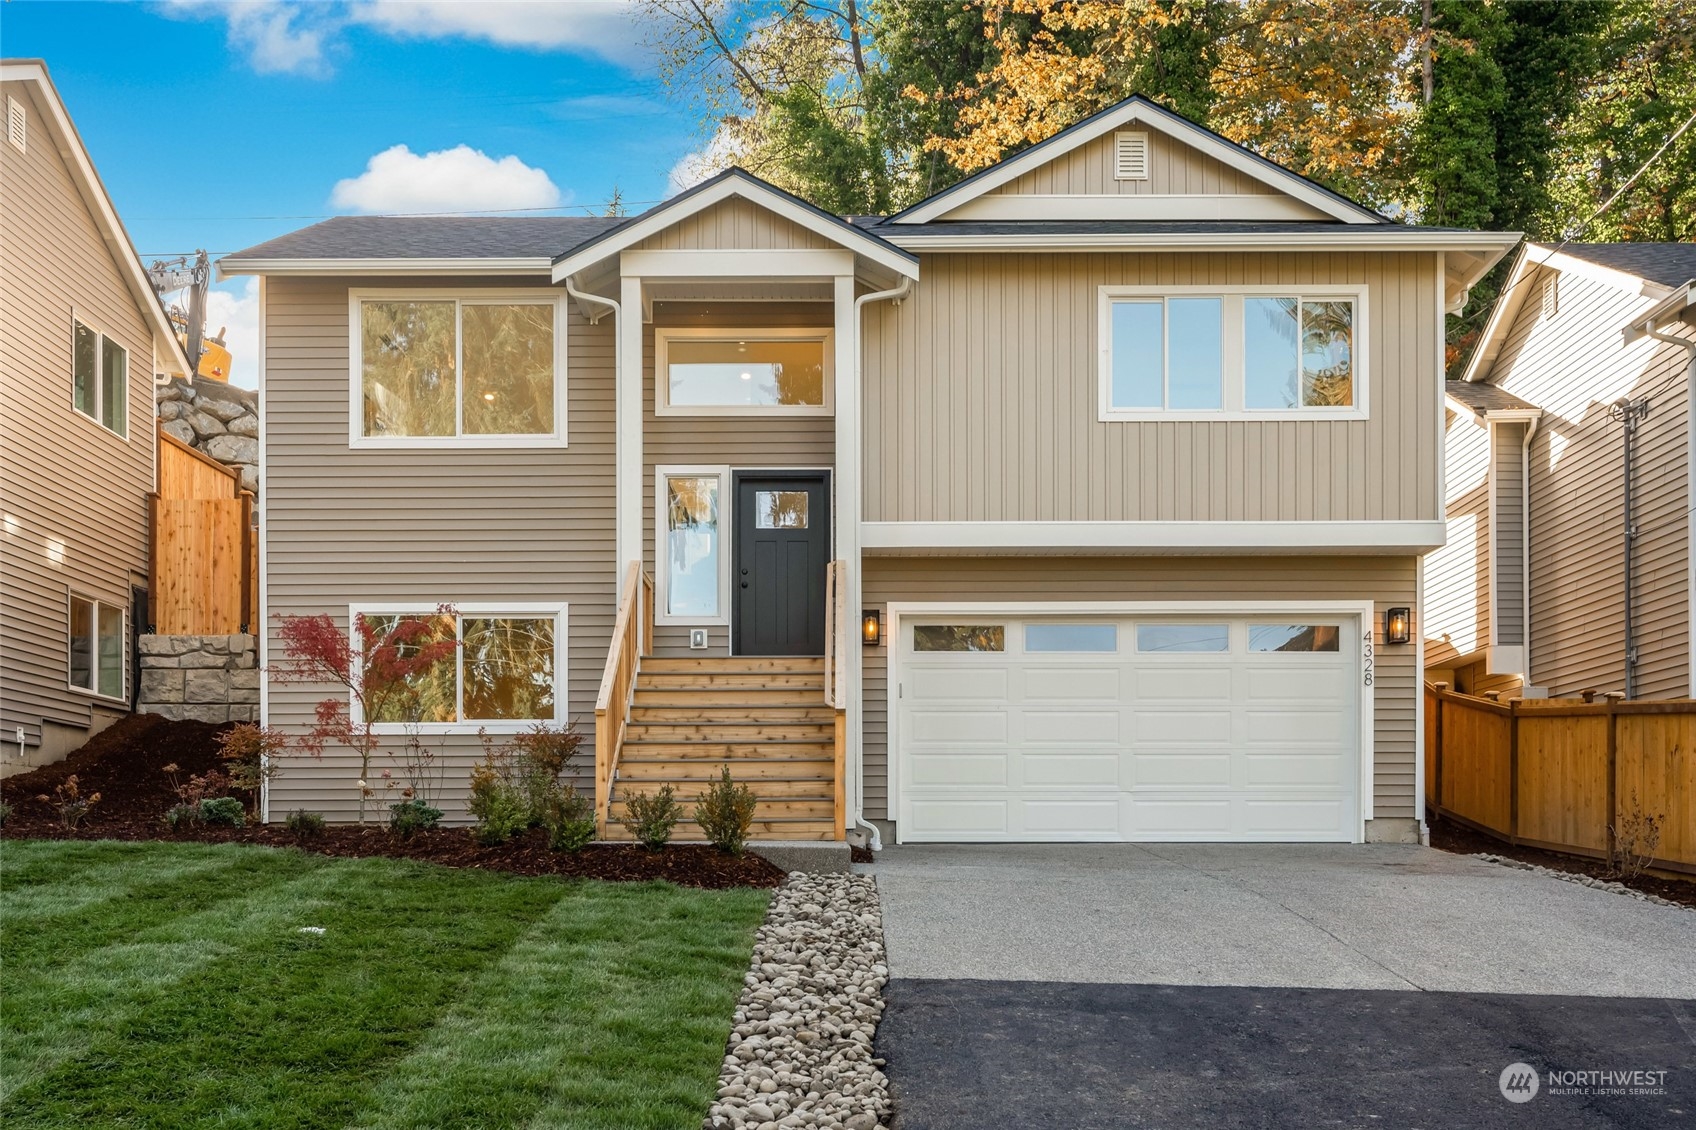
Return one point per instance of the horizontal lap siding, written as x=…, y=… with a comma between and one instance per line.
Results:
x=347, y=526
x=1507, y=527
x=1173, y=169
x=1456, y=619
x=981, y=399
x=1386, y=581
x=64, y=479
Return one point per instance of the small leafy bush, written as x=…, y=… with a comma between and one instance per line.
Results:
x=651, y=817
x=225, y=810
x=410, y=816
x=250, y=751
x=305, y=825
x=181, y=815
x=69, y=803
x=497, y=805
x=1637, y=839
x=538, y=756
x=569, y=818
x=725, y=812
x=5, y=813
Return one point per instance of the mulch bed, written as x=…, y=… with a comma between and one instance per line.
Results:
x=125, y=765
x=1448, y=835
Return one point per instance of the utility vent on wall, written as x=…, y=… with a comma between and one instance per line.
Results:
x=1130, y=156
x=15, y=125
x=1551, y=295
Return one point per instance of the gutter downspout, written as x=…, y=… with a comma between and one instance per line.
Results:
x=856, y=752
x=1525, y=544
x=1689, y=347
x=1630, y=413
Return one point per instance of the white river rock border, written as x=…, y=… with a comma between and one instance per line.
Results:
x=1581, y=880
x=800, y=1048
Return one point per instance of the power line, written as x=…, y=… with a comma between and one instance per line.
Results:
x=587, y=209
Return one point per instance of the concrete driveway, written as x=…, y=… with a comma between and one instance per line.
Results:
x=1266, y=985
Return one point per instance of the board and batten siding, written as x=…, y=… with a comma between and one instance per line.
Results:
x=1573, y=366
x=74, y=493
x=981, y=401
x=344, y=526
x=1173, y=169
x=734, y=223
x=1386, y=581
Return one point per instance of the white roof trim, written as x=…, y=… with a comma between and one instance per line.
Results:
x=663, y=216
x=1132, y=111
x=1351, y=238
x=100, y=204
x=1612, y=276
x=1667, y=310
x=524, y=265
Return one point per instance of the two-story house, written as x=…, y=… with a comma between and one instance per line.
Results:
x=82, y=336
x=1084, y=500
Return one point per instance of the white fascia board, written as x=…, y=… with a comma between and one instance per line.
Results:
x=1153, y=537
x=1234, y=156
x=739, y=263
x=664, y=216
x=1668, y=309
x=1502, y=315
x=525, y=265
x=93, y=191
x=1350, y=238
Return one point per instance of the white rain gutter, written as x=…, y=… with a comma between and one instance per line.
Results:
x=856, y=773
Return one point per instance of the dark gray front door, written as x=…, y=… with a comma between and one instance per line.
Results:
x=782, y=552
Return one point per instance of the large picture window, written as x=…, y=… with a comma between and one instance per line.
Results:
x=98, y=647
x=1265, y=352
x=100, y=375
x=480, y=370
x=507, y=673
x=750, y=372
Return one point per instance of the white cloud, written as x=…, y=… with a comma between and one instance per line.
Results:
x=278, y=37
x=235, y=306
x=461, y=179
x=700, y=164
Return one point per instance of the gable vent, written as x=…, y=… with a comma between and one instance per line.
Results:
x=1551, y=294
x=1130, y=156
x=15, y=125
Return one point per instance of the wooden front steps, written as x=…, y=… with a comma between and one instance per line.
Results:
x=766, y=718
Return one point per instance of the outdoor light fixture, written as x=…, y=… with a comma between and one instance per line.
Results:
x=871, y=626
x=1398, y=625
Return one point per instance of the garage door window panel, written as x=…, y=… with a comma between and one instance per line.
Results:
x=1070, y=638
x=960, y=637
x=1168, y=639
x=1293, y=638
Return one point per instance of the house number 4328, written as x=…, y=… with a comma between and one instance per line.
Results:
x=1366, y=659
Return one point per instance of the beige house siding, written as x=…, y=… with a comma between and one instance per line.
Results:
x=1384, y=580
x=1573, y=367
x=74, y=493
x=740, y=442
x=1507, y=533
x=734, y=223
x=981, y=401
x=347, y=526
x=1173, y=168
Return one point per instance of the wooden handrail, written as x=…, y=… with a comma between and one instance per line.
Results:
x=632, y=635
x=836, y=680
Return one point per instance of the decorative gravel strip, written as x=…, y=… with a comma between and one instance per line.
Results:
x=1582, y=880
x=800, y=1054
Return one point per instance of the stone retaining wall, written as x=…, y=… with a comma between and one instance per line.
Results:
x=207, y=678
x=216, y=418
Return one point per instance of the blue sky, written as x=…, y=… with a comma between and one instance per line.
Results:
x=219, y=125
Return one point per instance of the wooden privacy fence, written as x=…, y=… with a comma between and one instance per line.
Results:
x=1564, y=774
x=205, y=553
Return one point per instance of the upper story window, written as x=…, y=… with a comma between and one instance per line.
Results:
x=433, y=369
x=743, y=372
x=100, y=372
x=1201, y=353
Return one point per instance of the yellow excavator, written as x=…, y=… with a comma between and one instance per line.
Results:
x=214, y=354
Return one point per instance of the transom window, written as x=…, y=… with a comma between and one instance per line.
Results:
x=482, y=370
x=98, y=647
x=1263, y=352
x=100, y=371
x=750, y=372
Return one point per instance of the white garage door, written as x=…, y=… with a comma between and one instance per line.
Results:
x=1128, y=728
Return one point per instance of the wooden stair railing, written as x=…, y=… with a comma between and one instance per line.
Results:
x=632, y=637
x=836, y=679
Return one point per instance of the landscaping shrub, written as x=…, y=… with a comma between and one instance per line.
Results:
x=180, y=814
x=69, y=803
x=569, y=818
x=496, y=804
x=725, y=812
x=411, y=816
x=226, y=810
x=250, y=749
x=1637, y=838
x=305, y=825
x=537, y=757
x=651, y=817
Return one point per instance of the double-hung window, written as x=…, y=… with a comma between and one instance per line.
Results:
x=506, y=673
x=433, y=368
x=100, y=377
x=1232, y=353
x=98, y=647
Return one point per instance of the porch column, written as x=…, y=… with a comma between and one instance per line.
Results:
x=628, y=415
x=848, y=454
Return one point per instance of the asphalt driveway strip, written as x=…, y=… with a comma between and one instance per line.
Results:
x=968, y=1054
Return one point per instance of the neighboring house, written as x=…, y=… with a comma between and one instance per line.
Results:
x=1124, y=448
x=81, y=337
x=1531, y=589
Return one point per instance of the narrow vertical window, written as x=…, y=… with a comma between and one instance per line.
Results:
x=85, y=369
x=110, y=659
x=82, y=643
x=691, y=546
x=114, y=385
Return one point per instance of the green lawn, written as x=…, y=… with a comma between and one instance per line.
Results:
x=170, y=985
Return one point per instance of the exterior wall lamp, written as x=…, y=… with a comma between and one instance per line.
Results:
x=1398, y=625
x=871, y=627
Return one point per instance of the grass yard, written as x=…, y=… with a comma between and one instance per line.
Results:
x=170, y=985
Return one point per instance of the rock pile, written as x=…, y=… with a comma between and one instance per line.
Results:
x=800, y=1054
x=1581, y=880
x=216, y=418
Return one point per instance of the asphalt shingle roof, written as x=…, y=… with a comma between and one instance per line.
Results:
x=1670, y=264
x=1134, y=227
x=1482, y=398
x=433, y=237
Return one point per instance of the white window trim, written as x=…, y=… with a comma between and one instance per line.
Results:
x=726, y=526
x=1232, y=359
x=663, y=336
x=94, y=660
x=101, y=336
x=530, y=609
x=461, y=297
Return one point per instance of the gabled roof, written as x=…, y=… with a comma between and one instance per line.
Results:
x=736, y=182
x=1669, y=264
x=522, y=243
x=168, y=351
x=1132, y=110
